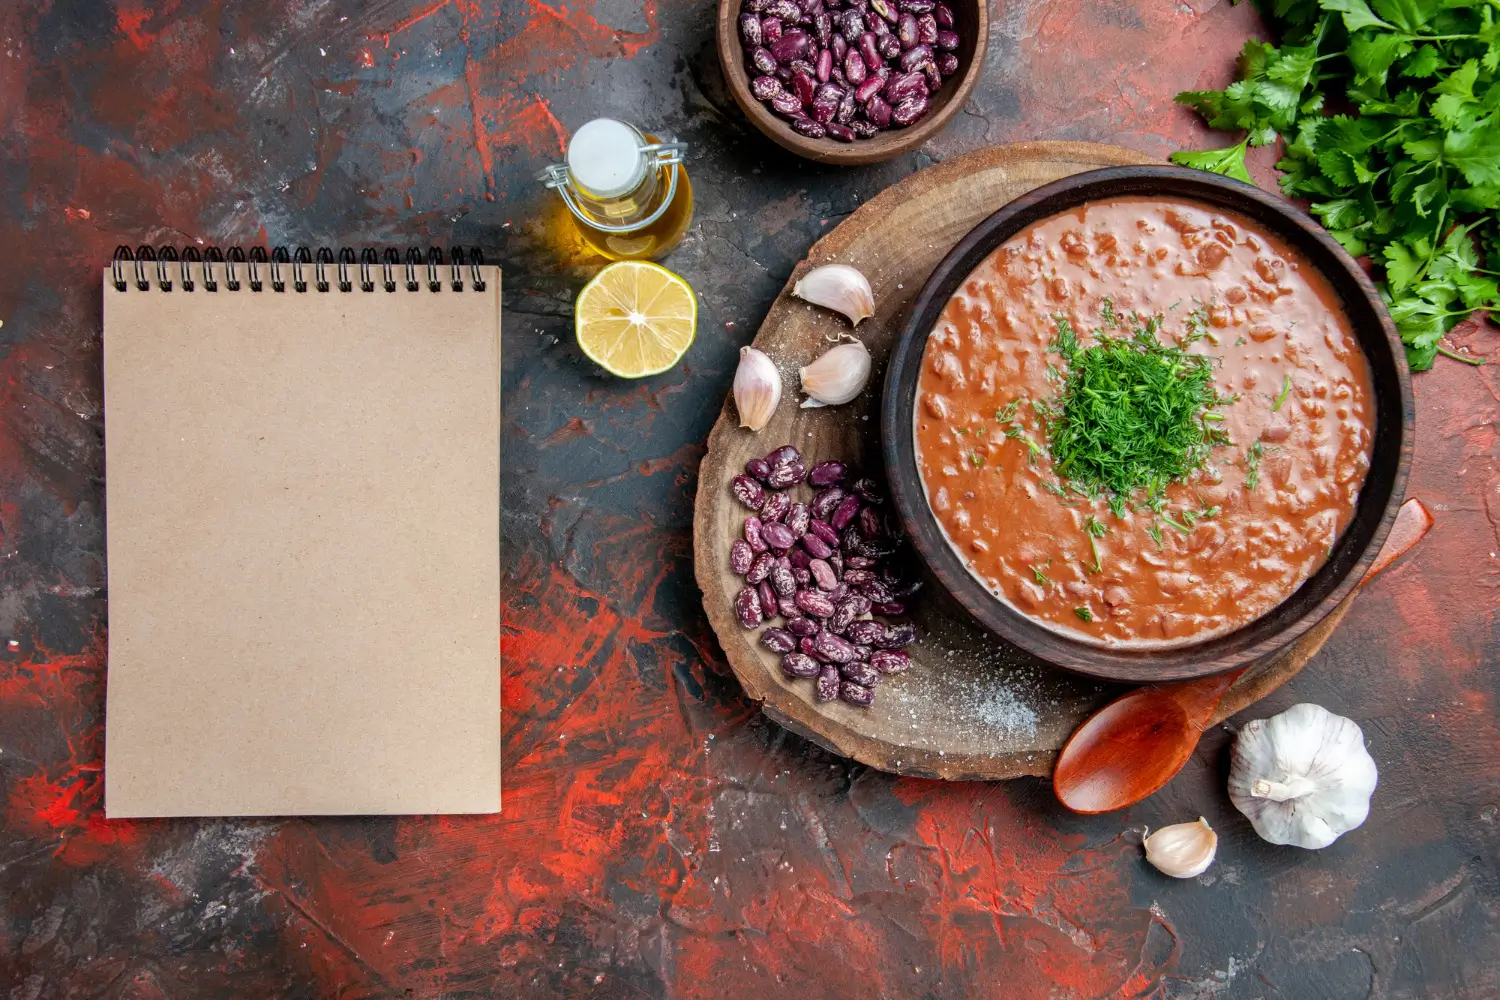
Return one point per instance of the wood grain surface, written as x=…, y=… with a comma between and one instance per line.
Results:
x=972, y=706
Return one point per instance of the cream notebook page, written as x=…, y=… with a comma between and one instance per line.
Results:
x=304, y=549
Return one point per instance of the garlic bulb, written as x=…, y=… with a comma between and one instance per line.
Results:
x=1182, y=850
x=1302, y=777
x=838, y=287
x=837, y=376
x=757, y=388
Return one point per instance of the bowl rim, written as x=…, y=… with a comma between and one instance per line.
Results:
x=1374, y=511
x=830, y=151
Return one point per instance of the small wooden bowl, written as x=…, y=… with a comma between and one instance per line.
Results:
x=971, y=19
x=1379, y=499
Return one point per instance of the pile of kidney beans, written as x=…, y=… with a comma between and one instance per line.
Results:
x=848, y=69
x=823, y=566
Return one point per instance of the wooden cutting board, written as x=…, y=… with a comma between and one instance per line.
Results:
x=972, y=706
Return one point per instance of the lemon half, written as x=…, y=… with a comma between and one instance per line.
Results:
x=635, y=319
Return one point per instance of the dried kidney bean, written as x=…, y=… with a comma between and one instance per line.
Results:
x=897, y=636
x=843, y=616
x=761, y=568
x=764, y=88
x=778, y=536
x=786, y=104
x=747, y=607
x=833, y=647
x=846, y=512
x=784, y=476
x=800, y=665
x=891, y=608
x=767, y=595
x=798, y=519
x=750, y=35
x=801, y=574
x=890, y=661
x=778, y=640
x=776, y=507
x=823, y=574
x=785, y=455
x=869, y=522
x=829, y=683
x=865, y=631
x=787, y=607
x=814, y=603
x=782, y=580
x=816, y=546
x=799, y=556
x=800, y=626
x=827, y=502
x=856, y=694
x=860, y=673
x=748, y=492
x=740, y=557
x=754, y=537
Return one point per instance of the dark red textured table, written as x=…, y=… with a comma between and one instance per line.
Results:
x=659, y=838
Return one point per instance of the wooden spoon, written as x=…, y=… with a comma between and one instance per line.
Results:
x=1138, y=742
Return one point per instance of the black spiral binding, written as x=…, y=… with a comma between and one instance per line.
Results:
x=212, y=263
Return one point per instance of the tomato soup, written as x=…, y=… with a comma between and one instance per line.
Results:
x=1221, y=546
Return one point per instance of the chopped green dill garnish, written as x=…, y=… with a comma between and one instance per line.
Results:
x=1040, y=577
x=976, y=459
x=1197, y=328
x=1185, y=529
x=1084, y=613
x=1206, y=513
x=1007, y=413
x=1041, y=409
x=1096, y=529
x=1054, y=489
x=1107, y=312
x=1066, y=341
x=1155, y=534
x=1053, y=374
x=1240, y=341
x=1286, y=390
x=1134, y=414
x=960, y=430
x=1251, y=464
x=1174, y=305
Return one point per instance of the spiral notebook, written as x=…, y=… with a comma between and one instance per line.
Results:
x=302, y=484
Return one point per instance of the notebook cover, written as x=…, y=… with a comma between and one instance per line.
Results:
x=304, y=551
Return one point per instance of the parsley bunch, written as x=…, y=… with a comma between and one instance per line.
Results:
x=1412, y=179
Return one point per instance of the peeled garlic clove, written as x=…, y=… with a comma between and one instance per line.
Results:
x=757, y=388
x=838, y=287
x=837, y=376
x=1182, y=850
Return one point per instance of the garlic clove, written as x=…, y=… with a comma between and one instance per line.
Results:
x=838, y=287
x=837, y=376
x=1184, y=849
x=757, y=388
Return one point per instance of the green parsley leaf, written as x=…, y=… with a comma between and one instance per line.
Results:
x=1084, y=613
x=1356, y=13
x=1229, y=161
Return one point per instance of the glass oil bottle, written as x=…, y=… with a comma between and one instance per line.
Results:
x=627, y=190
